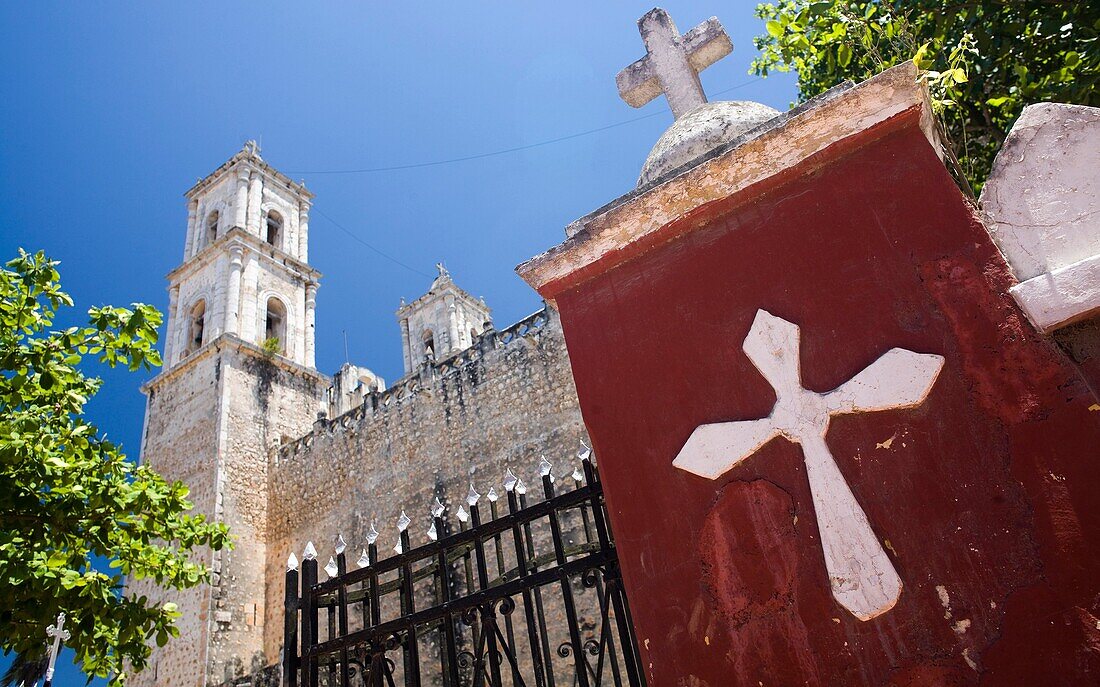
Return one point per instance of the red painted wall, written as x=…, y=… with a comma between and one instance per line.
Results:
x=987, y=495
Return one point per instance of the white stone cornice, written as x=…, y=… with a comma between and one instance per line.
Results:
x=239, y=239
x=253, y=162
x=231, y=342
x=432, y=296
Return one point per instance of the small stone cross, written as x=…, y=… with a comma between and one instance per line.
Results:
x=59, y=634
x=862, y=577
x=672, y=62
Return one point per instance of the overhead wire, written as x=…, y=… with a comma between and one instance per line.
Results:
x=466, y=158
x=505, y=151
x=383, y=254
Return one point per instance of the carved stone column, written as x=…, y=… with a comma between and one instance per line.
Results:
x=303, y=230
x=233, y=292
x=179, y=326
x=200, y=229
x=173, y=324
x=311, y=317
x=192, y=213
x=240, y=214
x=405, y=345
x=453, y=342
x=255, y=199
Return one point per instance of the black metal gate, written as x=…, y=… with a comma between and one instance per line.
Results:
x=530, y=597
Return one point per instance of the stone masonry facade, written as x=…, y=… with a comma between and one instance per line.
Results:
x=501, y=403
x=284, y=454
x=210, y=423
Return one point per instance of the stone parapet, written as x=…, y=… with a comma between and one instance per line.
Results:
x=420, y=382
x=465, y=418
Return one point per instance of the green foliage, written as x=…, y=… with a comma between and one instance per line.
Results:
x=25, y=670
x=272, y=345
x=983, y=61
x=68, y=496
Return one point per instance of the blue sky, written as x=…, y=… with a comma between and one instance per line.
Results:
x=109, y=112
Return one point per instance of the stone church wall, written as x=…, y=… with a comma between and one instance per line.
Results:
x=180, y=441
x=269, y=399
x=262, y=400
x=501, y=403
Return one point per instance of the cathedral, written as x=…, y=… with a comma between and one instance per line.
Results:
x=866, y=456
x=283, y=453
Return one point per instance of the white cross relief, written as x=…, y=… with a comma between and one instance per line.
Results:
x=672, y=62
x=862, y=577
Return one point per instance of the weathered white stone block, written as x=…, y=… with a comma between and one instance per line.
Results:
x=1042, y=204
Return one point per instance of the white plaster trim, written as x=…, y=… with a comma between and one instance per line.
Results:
x=862, y=577
x=1060, y=297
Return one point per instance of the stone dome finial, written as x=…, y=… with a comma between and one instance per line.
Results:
x=671, y=66
x=700, y=131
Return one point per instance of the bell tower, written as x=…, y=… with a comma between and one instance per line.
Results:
x=245, y=269
x=239, y=378
x=440, y=323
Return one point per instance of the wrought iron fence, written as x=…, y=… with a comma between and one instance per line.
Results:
x=531, y=596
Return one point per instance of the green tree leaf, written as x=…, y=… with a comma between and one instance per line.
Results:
x=983, y=61
x=70, y=498
x=844, y=55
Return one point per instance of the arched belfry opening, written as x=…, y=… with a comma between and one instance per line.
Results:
x=428, y=337
x=274, y=229
x=196, y=325
x=212, y=227
x=275, y=326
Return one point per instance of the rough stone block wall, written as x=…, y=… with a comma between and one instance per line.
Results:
x=180, y=443
x=211, y=423
x=266, y=402
x=502, y=403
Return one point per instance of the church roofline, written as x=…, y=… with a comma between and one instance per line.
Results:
x=421, y=380
x=240, y=236
x=251, y=156
x=440, y=291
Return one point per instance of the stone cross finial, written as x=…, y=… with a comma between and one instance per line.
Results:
x=862, y=577
x=672, y=62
